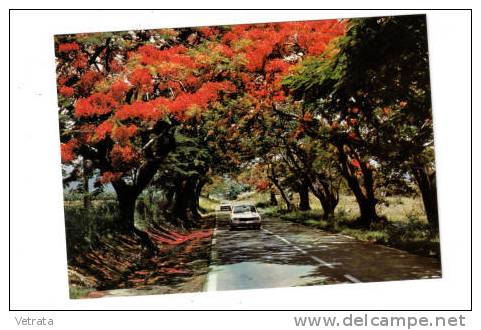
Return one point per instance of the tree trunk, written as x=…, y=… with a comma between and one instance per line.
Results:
x=328, y=196
x=304, y=195
x=126, y=197
x=366, y=201
x=368, y=212
x=198, y=190
x=185, y=210
x=281, y=191
x=86, y=195
x=426, y=181
x=192, y=197
x=178, y=211
x=273, y=198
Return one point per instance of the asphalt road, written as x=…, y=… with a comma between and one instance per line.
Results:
x=286, y=254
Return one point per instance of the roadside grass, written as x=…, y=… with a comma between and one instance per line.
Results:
x=271, y=211
x=79, y=292
x=83, y=228
x=208, y=205
x=258, y=199
x=406, y=227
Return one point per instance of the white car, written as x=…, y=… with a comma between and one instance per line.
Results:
x=245, y=215
x=225, y=207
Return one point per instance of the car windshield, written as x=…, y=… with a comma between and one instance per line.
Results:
x=244, y=208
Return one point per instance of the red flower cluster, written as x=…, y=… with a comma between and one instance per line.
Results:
x=159, y=107
x=152, y=110
x=229, y=37
x=80, y=61
x=123, y=156
x=191, y=81
x=208, y=32
x=314, y=36
x=121, y=134
x=307, y=117
x=142, y=79
x=224, y=50
x=103, y=129
x=68, y=47
x=95, y=105
x=277, y=66
x=201, y=98
x=67, y=150
x=174, y=55
x=110, y=177
x=262, y=185
x=257, y=54
x=115, y=66
x=279, y=96
x=66, y=91
x=355, y=163
x=89, y=79
x=119, y=89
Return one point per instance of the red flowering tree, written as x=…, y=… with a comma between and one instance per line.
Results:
x=255, y=125
x=121, y=98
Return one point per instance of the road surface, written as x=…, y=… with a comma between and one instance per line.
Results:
x=285, y=254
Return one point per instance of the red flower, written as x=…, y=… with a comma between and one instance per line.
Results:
x=208, y=32
x=262, y=185
x=66, y=91
x=115, y=66
x=277, y=65
x=110, y=177
x=95, y=105
x=307, y=117
x=355, y=163
x=119, y=89
x=123, y=133
x=81, y=61
x=142, y=79
x=68, y=47
x=228, y=37
x=123, y=156
x=67, y=150
x=279, y=96
x=103, y=129
x=88, y=80
x=152, y=110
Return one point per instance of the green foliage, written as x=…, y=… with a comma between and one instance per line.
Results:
x=208, y=205
x=83, y=227
x=79, y=292
x=227, y=188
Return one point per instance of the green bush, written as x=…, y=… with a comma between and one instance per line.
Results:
x=83, y=226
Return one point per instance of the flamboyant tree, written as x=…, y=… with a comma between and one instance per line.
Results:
x=251, y=126
x=122, y=96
